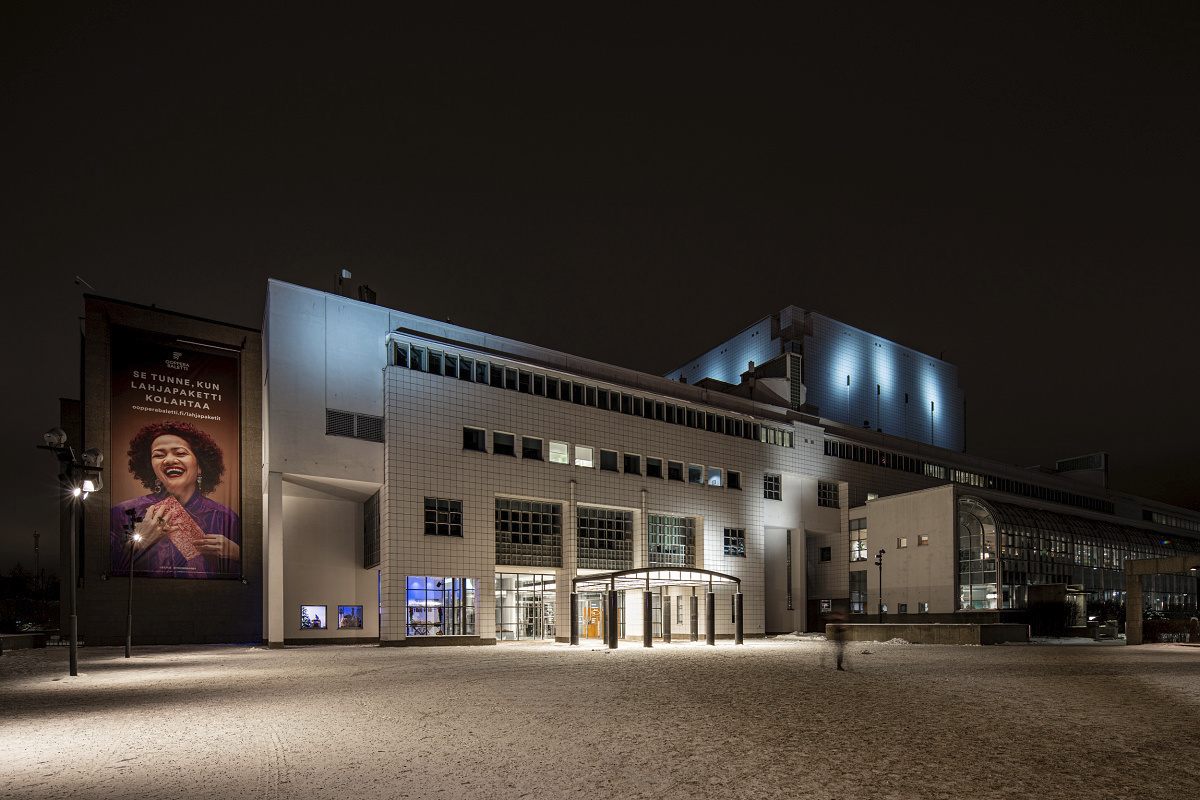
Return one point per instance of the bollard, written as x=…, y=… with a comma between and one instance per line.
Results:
x=695, y=618
x=611, y=621
x=737, y=625
x=666, y=620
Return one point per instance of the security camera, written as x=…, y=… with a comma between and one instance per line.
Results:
x=55, y=437
x=92, y=457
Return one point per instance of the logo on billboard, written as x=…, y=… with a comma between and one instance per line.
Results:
x=174, y=363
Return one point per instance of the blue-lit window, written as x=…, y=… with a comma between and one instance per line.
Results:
x=438, y=606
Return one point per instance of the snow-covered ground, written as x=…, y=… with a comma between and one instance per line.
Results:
x=768, y=719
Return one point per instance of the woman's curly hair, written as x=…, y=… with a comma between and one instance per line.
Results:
x=208, y=453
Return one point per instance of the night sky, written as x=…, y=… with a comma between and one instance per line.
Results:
x=1010, y=186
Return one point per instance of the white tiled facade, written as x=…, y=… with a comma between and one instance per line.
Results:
x=324, y=352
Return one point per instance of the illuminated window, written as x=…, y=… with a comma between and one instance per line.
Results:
x=714, y=476
x=922, y=539
x=901, y=542
x=583, y=456
x=350, y=617
x=672, y=541
x=922, y=607
x=438, y=606
x=858, y=540
x=559, y=453
x=313, y=617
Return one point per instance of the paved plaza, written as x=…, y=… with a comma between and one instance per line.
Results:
x=768, y=719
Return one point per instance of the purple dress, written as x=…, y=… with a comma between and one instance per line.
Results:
x=163, y=559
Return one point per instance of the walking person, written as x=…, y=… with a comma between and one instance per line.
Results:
x=835, y=627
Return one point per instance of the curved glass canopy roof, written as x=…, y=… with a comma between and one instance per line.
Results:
x=647, y=578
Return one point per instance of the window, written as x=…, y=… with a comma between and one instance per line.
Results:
x=528, y=533
x=922, y=539
x=674, y=470
x=826, y=606
x=416, y=358
x=670, y=420
x=435, y=362
x=826, y=555
x=605, y=538
x=350, y=616
x=771, y=486
x=497, y=376
x=633, y=464
x=858, y=540
x=695, y=473
x=577, y=394
x=443, y=517
x=637, y=406
x=531, y=448
x=481, y=372
x=903, y=608
x=735, y=542
x=858, y=592
x=679, y=609
x=827, y=494
x=602, y=398
x=525, y=382
x=564, y=390
x=901, y=542
x=714, y=476
x=510, y=378
x=734, y=480
x=591, y=396
x=560, y=453
x=583, y=456
x=371, y=531
x=313, y=617
x=626, y=404
x=672, y=541
x=923, y=608
x=438, y=606
x=367, y=427
x=504, y=444
x=552, y=387
x=873, y=495
x=466, y=367
x=451, y=365
x=608, y=460
x=400, y=354
x=474, y=439
x=539, y=385
x=654, y=468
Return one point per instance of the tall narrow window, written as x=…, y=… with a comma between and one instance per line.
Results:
x=772, y=486
x=735, y=542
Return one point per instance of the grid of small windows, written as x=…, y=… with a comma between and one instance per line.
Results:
x=858, y=539
x=371, y=531
x=827, y=494
x=528, y=533
x=605, y=538
x=367, y=427
x=672, y=541
x=443, y=517
x=425, y=359
x=882, y=458
x=735, y=542
x=772, y=486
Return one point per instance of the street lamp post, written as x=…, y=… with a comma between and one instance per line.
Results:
x=81, y=474
x=133, y=540
x=879, y=563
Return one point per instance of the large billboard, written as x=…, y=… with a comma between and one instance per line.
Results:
x=176, y=452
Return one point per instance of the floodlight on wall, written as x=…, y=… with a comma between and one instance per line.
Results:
x=55, y=437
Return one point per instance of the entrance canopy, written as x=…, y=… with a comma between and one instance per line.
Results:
x=647, y=578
